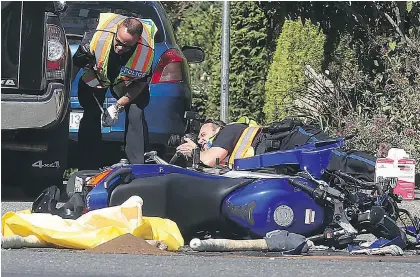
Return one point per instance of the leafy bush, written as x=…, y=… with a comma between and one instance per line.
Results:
x=298, y=45
x=198, y=27
x=248, y=63
x=383, y=109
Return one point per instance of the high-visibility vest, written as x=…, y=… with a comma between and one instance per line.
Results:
x=139, y=64
x=250, y=122
x=243, y=147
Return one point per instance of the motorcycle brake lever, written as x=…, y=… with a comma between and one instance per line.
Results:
x=322, y=185
x=155, y=158
x=312, y=178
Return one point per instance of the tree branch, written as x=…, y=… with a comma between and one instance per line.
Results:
x=404, y=37
x=358, y=18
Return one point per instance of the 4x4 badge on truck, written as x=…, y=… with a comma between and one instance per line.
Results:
x=40, y=164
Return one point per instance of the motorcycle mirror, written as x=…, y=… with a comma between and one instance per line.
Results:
x=376, y=215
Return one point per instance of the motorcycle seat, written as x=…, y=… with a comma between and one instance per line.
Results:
x=192, y=202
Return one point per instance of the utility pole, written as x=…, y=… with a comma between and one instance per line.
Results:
x=224, y=96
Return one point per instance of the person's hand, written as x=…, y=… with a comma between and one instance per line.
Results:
x=83, y=58
x=187, y=147
x=90, y=57
x=110, y=116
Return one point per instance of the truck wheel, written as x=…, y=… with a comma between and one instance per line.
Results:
x=39, y=170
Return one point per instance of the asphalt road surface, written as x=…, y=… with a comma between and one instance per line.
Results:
x=69, y=263
x=52, y=264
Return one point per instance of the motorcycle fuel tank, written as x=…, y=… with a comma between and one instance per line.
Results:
x=273, y=204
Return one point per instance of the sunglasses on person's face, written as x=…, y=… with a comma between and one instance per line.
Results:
x=123, y=45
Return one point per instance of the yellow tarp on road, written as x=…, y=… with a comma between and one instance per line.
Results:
x=94, y=227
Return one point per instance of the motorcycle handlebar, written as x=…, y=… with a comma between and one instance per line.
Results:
x=355, y=180
x=302, y=185
x=119, y=171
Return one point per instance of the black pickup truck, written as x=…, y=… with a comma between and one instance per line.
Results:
x=35, y=92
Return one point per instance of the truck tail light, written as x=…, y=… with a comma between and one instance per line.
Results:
x=169, y=68
x=56, y=53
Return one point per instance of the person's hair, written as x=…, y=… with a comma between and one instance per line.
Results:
x=215, y=123
x=133, y=25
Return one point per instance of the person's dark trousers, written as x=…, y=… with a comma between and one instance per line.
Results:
x=136, y=134
x=90, y=135
x=136, y=130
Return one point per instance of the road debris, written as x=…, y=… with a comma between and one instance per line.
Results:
x=393, y=250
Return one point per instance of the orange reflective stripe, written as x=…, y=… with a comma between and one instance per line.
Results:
x=136, y=57
x=147, y=62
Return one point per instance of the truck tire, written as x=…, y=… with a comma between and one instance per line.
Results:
x=36, y=170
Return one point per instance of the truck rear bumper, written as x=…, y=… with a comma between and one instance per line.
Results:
x=33, y=112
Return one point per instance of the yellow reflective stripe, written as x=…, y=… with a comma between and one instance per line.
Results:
x=105, y=29
x=243, y=144
x=94, y=41
x=111, y=22
x=147, y=31
x=104, y=24
x=246, y=142
x=101, y=44
x=105, y=50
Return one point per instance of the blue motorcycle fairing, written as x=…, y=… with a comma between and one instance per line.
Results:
x=273, y=204
x=314, y=156
x=264, y=205
x=98, y=197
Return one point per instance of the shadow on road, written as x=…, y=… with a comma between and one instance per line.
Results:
x=11, y=193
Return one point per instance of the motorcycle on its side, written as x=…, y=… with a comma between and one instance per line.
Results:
x=223, y=203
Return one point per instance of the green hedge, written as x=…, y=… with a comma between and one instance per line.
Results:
x=298, y=45
x=198, y=27
x=248, y=63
